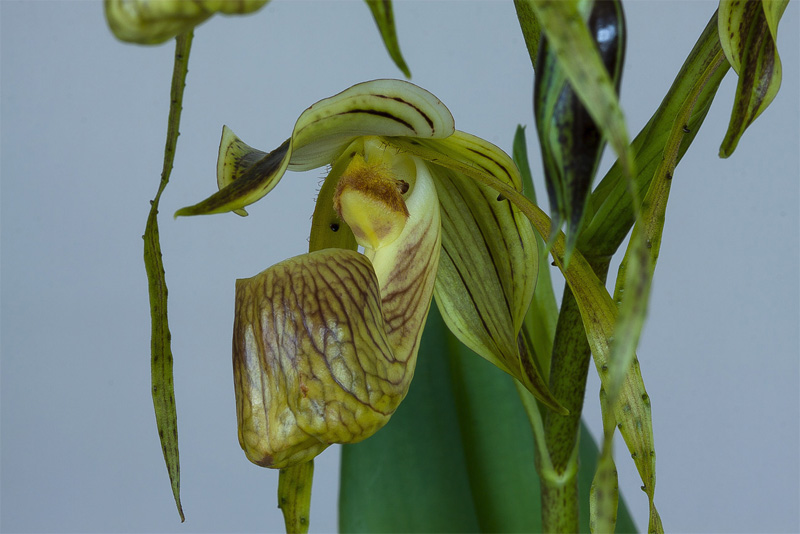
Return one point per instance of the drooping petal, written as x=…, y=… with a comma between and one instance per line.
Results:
x=156, y=21
x=325, y=343
x=379, y=107
x=487, y=275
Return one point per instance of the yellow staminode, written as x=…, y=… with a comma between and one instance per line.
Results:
x=369, y=197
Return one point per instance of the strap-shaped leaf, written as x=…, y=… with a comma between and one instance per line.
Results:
x=379, y=107
x=163, y=389
x=748, y=33
x=531, y=29
x=384, y=18
x=156, y=21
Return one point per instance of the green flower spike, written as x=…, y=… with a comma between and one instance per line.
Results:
x=325, y=343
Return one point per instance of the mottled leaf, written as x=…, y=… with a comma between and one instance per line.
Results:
x=163, y=389
x=571, y=141
x=568, y=35
x=748, y=33
x=531, y=30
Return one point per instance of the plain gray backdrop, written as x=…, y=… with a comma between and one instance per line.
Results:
x=83, y=129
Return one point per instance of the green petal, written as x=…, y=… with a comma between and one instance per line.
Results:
x=156, y=21
x=487, y=274
x=748, y=32
x=384, y=18
x=379, y=107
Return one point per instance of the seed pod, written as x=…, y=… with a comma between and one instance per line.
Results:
x=570, y=141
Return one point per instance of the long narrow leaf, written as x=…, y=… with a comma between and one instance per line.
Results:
x=613, y=211
x=161, y=352
x=384, y=18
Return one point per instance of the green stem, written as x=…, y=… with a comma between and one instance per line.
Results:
x=294, y=496
x=568, y=374
x=160, y=349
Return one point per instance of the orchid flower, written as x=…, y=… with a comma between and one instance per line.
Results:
x=156, y=21
x=325, y=343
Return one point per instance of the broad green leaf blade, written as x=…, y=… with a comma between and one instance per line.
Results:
x=411, y=476
x=531, y=30
x=163, y=389
x=376, y=108
x=498, y=444
x=157, y=21
x=748, y=32
x=571, y=141
x=613, y=214
x=294, y=496
x=566, y=31
x=384, y=18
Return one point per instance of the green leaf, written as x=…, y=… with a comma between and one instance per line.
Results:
x=163, y=388
x=748, y=33
x=531, y=30
x=411, y=476
x=384, y=18
x=613, y=213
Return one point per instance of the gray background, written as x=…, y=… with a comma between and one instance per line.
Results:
x=83, y=127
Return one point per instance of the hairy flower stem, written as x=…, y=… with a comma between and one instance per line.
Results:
x=568, y=373
x=160, y=350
